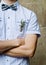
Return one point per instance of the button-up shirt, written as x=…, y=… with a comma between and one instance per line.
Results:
x=10, y=26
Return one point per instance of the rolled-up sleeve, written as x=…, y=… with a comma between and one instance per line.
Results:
x=33, y=26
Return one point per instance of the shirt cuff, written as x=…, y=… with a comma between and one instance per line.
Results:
x=33, y=32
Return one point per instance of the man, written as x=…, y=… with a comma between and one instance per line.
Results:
x=19, y=32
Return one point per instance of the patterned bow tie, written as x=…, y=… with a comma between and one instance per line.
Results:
x=5, y=7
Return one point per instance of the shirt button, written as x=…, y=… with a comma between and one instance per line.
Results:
x=0, y=20
x=8, y=17
x=7, y=60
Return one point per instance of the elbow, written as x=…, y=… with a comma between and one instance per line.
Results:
x=30, y=53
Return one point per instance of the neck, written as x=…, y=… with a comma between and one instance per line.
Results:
x=9, y=2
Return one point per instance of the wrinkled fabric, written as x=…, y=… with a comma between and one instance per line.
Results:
x=10, y=22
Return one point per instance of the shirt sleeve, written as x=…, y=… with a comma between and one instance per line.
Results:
x=33, y=26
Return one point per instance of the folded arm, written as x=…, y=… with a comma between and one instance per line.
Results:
x=9, y=44
x=26, y=50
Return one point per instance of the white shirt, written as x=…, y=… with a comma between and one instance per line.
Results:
x=10, y=25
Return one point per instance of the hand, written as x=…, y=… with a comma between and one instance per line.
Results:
x=19, y=41
x=15, y=43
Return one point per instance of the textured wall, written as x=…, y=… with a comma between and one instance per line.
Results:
x=39, y=6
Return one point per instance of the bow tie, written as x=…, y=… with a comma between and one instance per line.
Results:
x=5, y=7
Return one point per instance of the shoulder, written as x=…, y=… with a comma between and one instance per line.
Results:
x=28, y=12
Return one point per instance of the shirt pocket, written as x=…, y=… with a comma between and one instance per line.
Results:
x=22, y=32
x=23, y=25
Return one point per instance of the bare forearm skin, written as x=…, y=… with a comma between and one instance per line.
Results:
x=26, y=50
x=5, y=45
x=9, y=44
x=21, y=51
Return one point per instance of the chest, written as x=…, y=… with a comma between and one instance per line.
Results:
x=13, y=22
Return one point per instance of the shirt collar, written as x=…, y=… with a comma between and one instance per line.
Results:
x=2, y=2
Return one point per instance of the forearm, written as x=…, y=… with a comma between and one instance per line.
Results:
x=21, y=51
x=26, y=50
x=5, y=45
x=9, y=44
x=15, y=54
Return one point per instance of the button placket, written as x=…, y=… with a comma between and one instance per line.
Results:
x=7, y=27
x=7, y=34
x=9, y=21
